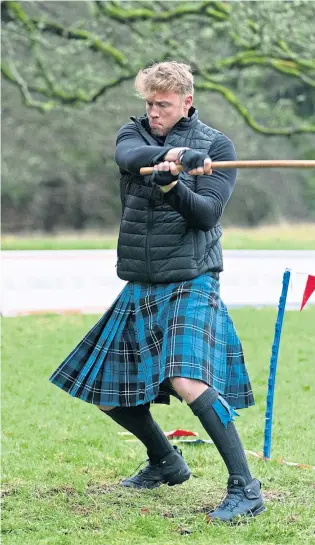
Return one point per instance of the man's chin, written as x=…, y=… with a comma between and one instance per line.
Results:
x=157, y=132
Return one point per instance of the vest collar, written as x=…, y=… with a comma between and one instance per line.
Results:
x=184, y=124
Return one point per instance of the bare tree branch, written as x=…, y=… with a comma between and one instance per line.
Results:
x=211, y=9
x=282, y=58
x=11, y=74
x=252, y=58
x=93, y=42
x=246, y=115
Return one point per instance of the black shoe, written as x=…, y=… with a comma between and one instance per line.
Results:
x=240, y=500
x=171, y=470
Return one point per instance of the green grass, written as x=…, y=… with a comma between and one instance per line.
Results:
x=64, y=242
x=63, y=459
x=274, y=237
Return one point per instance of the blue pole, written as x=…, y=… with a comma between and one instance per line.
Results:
x=273, y=364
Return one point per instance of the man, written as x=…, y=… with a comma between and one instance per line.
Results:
x=169, y=332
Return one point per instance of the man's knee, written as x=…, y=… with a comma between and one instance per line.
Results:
x=105, y=408
x=180, y=382
x=189, y=389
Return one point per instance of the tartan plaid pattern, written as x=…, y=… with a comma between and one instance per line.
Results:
x=153, y=332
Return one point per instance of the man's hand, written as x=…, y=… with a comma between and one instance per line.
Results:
x=165, y=175
x=172, y=154
x=195, y=162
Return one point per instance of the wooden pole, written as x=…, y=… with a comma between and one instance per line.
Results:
x=217, y=165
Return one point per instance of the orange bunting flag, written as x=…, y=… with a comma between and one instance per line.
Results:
x=309, y=289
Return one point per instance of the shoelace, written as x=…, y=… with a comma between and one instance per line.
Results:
x=150, y=466
x=231, y=501
x=144, y=470
x=141, y=463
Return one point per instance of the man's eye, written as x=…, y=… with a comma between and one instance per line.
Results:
x=150, y=104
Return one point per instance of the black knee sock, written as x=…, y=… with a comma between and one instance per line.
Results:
x=227, y=439
x=138, y=420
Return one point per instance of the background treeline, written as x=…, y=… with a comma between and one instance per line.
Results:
x=67, y=87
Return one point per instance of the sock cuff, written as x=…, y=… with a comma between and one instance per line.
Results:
x=204, y=401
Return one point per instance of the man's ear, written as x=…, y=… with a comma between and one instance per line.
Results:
x=188, y=101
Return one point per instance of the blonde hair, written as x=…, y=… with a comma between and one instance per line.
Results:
x=164, y=76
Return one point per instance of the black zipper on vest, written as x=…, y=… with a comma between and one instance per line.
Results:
x=148, y=241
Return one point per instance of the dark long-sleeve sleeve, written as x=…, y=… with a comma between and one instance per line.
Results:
x=132, y=153
x=203, y=207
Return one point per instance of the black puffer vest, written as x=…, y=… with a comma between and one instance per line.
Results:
x=156, y=244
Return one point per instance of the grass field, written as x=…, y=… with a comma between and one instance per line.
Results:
x=274, y=237
x=62, y=459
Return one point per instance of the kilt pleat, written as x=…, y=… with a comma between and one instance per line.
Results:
x=92, y=350
x=153, y=332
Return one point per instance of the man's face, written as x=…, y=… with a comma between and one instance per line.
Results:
x=164, y=109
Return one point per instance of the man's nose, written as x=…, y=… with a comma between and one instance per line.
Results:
x=154, y=111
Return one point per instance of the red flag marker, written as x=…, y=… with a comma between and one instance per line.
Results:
x=180, y=433
x=309, y=289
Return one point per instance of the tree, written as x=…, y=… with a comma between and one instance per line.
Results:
x=68, y=68
x=56, y=53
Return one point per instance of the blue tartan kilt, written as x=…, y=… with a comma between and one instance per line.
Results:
x=153, y=332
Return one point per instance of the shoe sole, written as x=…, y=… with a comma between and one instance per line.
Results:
x=174, y=479
x=238, y=518
x=135, y=487
x=258, y=511
x=246, y=518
